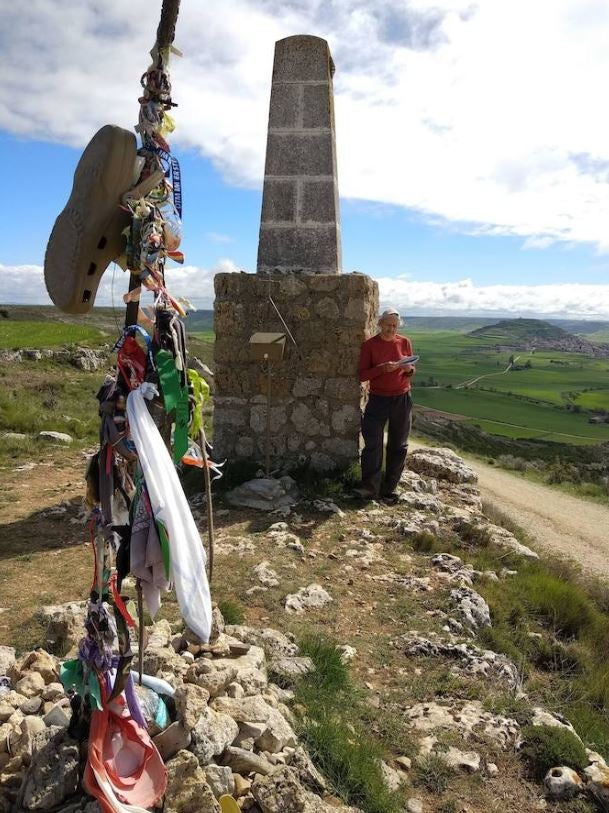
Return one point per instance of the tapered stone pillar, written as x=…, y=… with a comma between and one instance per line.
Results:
x=316, y=395
x=299, y=229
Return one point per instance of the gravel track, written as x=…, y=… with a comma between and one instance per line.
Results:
x=560, y=523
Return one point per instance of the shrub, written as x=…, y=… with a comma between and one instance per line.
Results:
x=546, y=747
x=231, y=612
x=433, y=773
x=424, y=542
x=563, y=605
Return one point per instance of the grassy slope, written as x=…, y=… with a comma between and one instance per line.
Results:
x=451, y=359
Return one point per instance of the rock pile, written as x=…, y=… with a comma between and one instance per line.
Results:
x=229, y=731
x=83, y=358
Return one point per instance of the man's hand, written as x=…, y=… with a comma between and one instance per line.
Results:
x=389, y=366
x=409, y=370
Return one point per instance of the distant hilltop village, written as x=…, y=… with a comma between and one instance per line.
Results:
x=535, y=334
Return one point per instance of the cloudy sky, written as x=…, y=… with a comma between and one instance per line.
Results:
x=472, y=138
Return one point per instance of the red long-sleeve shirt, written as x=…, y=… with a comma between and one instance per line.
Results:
x=377, y=351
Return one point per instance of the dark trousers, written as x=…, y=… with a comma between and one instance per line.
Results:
x=396, y=410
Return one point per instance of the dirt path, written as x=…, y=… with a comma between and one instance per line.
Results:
x=565, y=525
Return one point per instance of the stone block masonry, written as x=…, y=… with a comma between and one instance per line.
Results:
x=299, y=229
x=316, y=395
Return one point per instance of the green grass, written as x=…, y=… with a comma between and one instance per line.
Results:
x=36, y=396
x=503, y=414
x=17, y=335
x=335, y=738
x=232, y=611
x=547, y=747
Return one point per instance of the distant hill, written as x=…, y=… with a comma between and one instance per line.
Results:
x=535, y=334
x=110, y=320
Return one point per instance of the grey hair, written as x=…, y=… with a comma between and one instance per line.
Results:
x=390, y=312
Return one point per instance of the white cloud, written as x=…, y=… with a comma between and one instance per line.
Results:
x=215, y=237
x=487, y=115
x=24, y=284
x=573, y=301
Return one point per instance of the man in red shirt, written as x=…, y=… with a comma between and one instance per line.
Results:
x=389, y=402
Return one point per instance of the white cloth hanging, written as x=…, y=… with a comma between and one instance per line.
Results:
x=170, y=507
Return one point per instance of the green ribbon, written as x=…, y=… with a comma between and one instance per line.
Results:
x=164, y=540
x=72, y=676
x=200, y=391
x=175, y=398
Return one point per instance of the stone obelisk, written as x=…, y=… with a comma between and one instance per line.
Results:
x=299, y=229
x=316, y=395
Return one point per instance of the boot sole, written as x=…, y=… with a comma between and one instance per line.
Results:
x=87, y=234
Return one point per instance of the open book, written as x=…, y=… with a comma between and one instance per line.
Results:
x=408, y=360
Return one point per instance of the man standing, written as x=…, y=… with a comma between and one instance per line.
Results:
x=389, y=402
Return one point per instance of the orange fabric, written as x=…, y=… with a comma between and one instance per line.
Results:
x=122, y=754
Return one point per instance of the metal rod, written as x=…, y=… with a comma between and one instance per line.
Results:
x=209, y=502
x=287, y=329
x=268, y=418
x=140, y=631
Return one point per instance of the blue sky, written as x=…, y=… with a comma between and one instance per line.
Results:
x=473, y=150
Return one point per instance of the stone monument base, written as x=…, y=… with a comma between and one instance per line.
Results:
x=316, y=397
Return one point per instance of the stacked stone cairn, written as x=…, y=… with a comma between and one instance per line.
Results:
x=230, y=730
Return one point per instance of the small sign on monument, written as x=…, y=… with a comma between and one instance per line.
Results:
x=267, y=346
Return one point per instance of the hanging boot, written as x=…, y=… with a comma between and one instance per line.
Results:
x=87, y=235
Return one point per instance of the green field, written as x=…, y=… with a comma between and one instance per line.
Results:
x=16, y=335
x=521, y=403
x=553, y=398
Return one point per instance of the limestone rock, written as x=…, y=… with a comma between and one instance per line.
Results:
x=278, y=732
x=598, y=784
x=441, y=463
x=276, y=644
x=213, y=677
x=551, y=718
x=7, y=659
x=307, y=773
x=173, y=739
x=64, y=624
x=239, y=760
x=292, y=668
x=280, y=792
x=264, y=493
x=39, y=661
x=30, y=685
x=22, y=739
x=159, y=635
x=53, y=773
x=562, y=783
x=307, y=598
x=55, y=437
x=191, y=701
x=393, y=779
x=469, y=719
x=414, y=806
x=220, y=780
x=213, y=732
x=265, y=575
x=163, y=659
x=504, y=539
x=469, y=658
x=466, y=761
x=58, y=715
x=53, y=692
x=187, y=787
x=472, y=608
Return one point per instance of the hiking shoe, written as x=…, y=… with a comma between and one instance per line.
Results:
x=390, y=498
x=87, y=235
x=365, y=493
